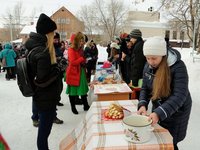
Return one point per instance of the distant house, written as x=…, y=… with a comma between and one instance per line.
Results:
x=67, y=23
x=149, y=23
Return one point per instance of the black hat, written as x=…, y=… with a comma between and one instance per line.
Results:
x=57, y=35
x=45, y=24
x=135, y=33
x=128, y=38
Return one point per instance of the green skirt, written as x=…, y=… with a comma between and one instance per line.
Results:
x=82, y=89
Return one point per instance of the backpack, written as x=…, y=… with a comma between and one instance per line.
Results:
x=23, y=80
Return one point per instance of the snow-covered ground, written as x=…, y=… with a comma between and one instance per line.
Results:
x=15, y=113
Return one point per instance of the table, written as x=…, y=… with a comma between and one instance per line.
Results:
x=106, y=92
x=95, y=133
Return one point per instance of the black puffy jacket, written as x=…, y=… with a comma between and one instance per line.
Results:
x=44, y=75
x=173, y=111
x=136, y=61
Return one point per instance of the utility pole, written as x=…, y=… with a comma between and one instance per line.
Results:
x=11, y=29
x=196, y=26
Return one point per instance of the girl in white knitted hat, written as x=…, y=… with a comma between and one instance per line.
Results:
x=165, y=84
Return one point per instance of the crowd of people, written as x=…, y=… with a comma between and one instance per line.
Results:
x=160, y=68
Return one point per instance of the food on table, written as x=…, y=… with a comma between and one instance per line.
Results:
x=109, y=81
x=114, y=111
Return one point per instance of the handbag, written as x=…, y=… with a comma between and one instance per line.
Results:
x=4, y=62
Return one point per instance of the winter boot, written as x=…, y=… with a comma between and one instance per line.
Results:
x=85, y=102
x=73, y=106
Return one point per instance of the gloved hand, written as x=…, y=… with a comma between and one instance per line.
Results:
x=63, y=63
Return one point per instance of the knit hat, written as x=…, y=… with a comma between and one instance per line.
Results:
x=135, y=33
x=155, y=46
x=57, y=35
x=114, y=45
x=45, y=25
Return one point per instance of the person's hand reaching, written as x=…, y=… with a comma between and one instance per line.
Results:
x=154, y=117
x=142, y=111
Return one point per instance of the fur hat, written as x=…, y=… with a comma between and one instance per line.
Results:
x=135, y=33
x=45, y=25
x=114, y=45
x=155, y=46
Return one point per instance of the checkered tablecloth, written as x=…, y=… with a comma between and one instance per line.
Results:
x=96, y=133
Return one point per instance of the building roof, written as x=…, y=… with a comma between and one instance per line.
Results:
x=64, y=9
x=145, y=24
x=28, y=28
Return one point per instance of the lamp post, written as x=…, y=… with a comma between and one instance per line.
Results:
x=11, y=30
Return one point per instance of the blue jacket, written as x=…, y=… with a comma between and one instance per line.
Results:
x=9, y=54
x=173, y=111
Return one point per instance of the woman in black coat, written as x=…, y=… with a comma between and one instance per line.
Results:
x=165, y=83
x=44, y=72
x=135, y=59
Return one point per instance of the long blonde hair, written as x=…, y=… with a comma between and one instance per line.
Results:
x=51, y=48
x=162, y=80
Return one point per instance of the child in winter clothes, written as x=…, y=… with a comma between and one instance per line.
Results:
x=165, y=83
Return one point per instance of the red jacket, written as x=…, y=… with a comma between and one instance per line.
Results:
x=73, y=71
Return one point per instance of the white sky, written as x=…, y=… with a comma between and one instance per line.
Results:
x=50, y=6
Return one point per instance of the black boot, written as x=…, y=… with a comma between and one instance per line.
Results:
x=72, y=102
x=85, y=102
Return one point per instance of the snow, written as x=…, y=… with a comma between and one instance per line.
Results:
x=28, y=28
x=145, y=24
x=17, y=41
x=15, y=112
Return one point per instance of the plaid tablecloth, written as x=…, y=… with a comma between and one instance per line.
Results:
x=112, y=88
x=96, y=133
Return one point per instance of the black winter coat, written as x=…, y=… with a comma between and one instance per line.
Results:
x=136, y=61
x=173, y=111
x=44, y=75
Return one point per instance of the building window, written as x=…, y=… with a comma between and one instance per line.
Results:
x=174, y=35
x=63, y=35
x=182, y=35
x=63, y=21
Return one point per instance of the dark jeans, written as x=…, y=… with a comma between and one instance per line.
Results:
x=35, y=111
x=175, y=147
x=44, y=130
x=35, y=115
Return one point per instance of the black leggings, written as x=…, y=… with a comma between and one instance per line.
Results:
x=175, y=147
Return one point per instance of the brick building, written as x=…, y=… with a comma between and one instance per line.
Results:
x=67, y=23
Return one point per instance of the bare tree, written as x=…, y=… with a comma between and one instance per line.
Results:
x=87, y=15
x=106, y=15
x=111, y=15
x=185, y=16
x=13, y=19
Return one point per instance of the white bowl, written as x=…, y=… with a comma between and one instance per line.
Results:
x=137, y=128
